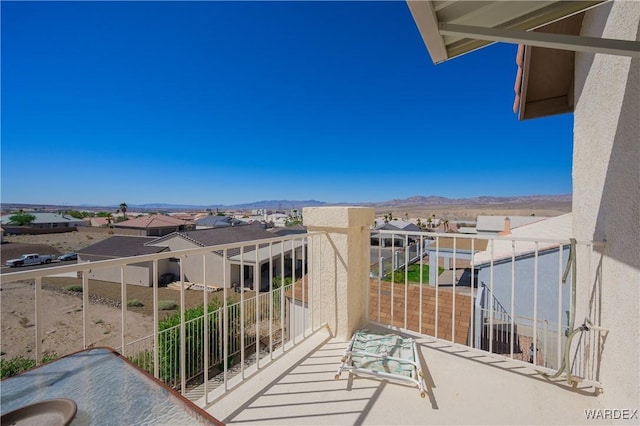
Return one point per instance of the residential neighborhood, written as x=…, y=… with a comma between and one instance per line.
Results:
x=217, y=209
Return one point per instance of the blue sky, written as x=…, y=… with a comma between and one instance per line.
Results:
x=232, y=102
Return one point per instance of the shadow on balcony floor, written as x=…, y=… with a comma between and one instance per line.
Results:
x=463, y=388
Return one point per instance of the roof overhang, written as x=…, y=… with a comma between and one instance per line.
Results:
x=544, y=81
x=453, y=28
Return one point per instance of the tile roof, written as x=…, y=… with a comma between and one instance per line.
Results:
x=218, y=221
x=216, y=236
x=405, y=225
x=387, y=227
x=121, y=246
x=152, y=221
x=289, y=230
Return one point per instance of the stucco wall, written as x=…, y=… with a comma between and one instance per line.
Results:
x=193, y=269
x=606, y=196
x=137, y=274
x=548, y=283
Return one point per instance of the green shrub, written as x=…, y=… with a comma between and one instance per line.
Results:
x=277, y=281
x=169, y=343
x=135, y=302
x=167, y=305
x=11, y=367
x=48, y=357
x=413, y=274
x=143, y=360
x=73, y=287
x=16, y=365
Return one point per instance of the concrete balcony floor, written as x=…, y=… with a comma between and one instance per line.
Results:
x=464, y=387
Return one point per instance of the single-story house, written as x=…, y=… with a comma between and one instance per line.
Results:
x=397, y=240
x=155, y=225
x=45, y=221
x=446, y=248
x=214, y=221
x=524, y=272
x=237, y=267
x=124, y=246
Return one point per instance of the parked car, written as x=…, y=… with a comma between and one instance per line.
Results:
x=68, y=256
x=30, y=259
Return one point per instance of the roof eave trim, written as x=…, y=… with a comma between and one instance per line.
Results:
x=548, y=40
x=427, y=22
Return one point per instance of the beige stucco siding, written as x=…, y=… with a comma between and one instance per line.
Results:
x=606, y=196
x=193, y=263
x=137, y=274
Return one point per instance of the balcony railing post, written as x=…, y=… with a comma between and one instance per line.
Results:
x=183, y=333
x=305, y=283
x=85, y=308
x=271, y=301
x=225, y=322
x=242, y=328
x=406, y=280
x=38, y=318
x=394, y=264
x=123, y=296
x=156, y=348
x=285, y=329
x=206, y=331
x=256, y=287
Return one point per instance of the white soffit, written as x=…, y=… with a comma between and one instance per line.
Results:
x=452, y=28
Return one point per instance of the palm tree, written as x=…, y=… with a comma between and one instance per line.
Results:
x=123, y=209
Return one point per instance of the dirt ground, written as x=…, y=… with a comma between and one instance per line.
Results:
x=55, y=244
x=62, y=319
x=62, y=314
x=471, y=212
x=62, y=310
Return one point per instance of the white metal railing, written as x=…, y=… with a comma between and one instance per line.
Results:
x=251, y=331
x=503, y=295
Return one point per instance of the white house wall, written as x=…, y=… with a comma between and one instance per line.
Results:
x=138, y=274
x=193, y=264
x=606, y=196
x=549, y=274
x=548, y=287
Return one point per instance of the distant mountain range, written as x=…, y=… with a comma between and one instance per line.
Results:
x=434, y=200
x=417, y=200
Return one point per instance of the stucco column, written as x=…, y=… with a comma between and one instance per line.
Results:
x=341, y=264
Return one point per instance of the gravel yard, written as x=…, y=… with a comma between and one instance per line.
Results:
x=63, y=309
